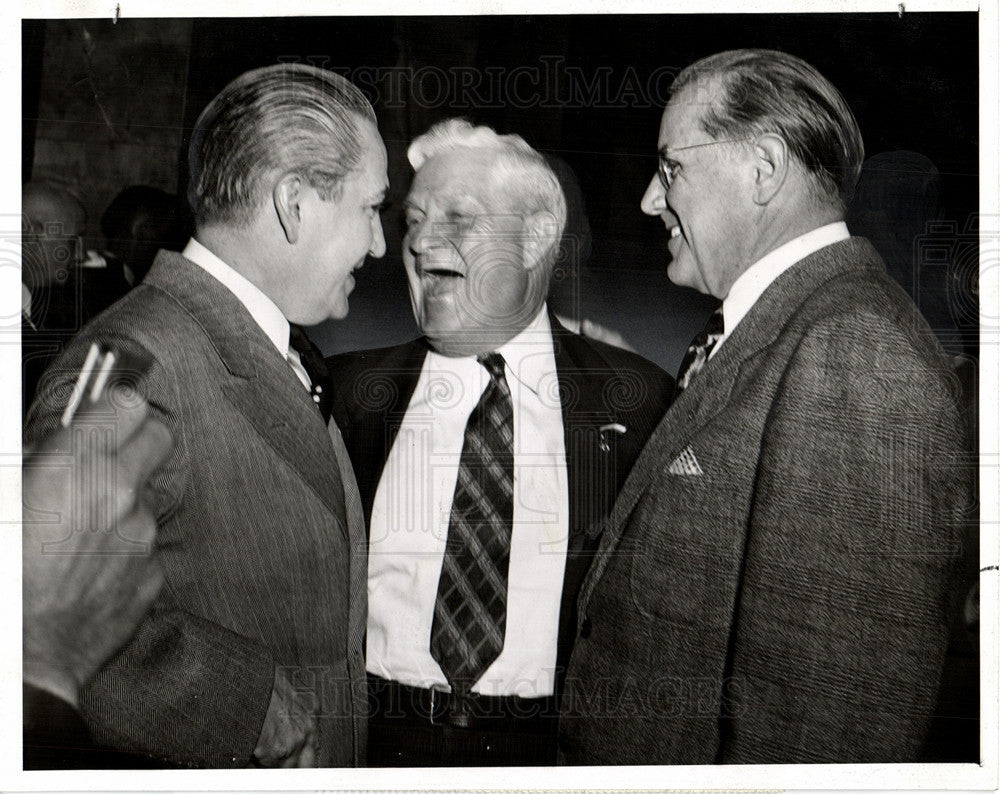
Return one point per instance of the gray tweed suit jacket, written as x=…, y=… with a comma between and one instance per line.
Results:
x=261, y=536
x=773, y=583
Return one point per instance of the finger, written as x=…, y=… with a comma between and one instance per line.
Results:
x=122, y=609
x=289, y=759
x=149, y=584
x=307, y=758
x=120, y=406
x=143, y=453
x=138, y=526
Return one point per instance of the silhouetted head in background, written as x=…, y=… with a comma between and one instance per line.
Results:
x=53, y=220
x=140, y=221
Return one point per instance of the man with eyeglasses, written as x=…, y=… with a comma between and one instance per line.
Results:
x=488, y=453
x=772, y=586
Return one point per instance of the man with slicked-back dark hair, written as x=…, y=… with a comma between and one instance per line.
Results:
x=252, y=652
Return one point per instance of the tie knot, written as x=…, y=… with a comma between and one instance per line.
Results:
x=716, y=325
x=298, y=339
x=493, y=363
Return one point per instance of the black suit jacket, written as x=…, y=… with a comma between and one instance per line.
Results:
x=599, y=385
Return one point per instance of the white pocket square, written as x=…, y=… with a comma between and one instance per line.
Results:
x=685, y=464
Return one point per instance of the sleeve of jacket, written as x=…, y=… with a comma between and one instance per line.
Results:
x=184, y=689
x=863, y=485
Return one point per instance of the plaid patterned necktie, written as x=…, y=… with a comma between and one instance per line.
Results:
x=699, y=350
x=470, y=613
x=315, y=367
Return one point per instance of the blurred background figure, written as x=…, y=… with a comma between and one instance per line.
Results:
x=89, y=571
x=63, y=285
x=137, y=223
x=53, y=221
x=52, y=224
x=897, y=206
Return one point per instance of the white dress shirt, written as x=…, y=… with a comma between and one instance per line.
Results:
x=263, y=310
x=762, y=273
x=412, y=508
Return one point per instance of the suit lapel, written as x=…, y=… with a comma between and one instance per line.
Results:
x=405, y=368
x=590, y=468
x=261, y=386
x=710, y=391
x=377, y=396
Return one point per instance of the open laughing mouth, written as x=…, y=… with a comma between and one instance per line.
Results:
x=674, y=231
x=440, y=281
x=441, y=273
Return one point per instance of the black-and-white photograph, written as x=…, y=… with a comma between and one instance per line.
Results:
x=590, y=397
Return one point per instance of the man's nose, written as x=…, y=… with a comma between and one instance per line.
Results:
x=426, y=236
x=654, y=200
x=377, y=248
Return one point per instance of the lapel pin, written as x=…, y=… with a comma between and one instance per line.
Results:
x=613, y=427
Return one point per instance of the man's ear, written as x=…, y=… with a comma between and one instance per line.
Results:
x=771, y=166
x=287, y=196
x=540, y=234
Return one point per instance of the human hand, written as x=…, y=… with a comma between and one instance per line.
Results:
x=88, y=539
x=288, y=737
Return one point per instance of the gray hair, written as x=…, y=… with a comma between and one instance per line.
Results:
x=769, y=91
x=522, y=171
x=287, y=117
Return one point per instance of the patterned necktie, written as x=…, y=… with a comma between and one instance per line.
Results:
x=470, y=613
x=315, y=367
x=699, y=350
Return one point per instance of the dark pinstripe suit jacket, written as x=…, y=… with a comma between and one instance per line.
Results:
x=598, y=384
x=263, y=566
x=772, y=585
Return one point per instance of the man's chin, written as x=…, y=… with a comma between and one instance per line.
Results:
x=445, y=339
x=683, y=273
x=338, y=311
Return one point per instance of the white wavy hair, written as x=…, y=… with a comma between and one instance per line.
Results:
x=522, y=171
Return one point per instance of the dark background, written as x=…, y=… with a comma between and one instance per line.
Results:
x=108, y=105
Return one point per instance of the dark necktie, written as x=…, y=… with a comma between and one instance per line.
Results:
x=470, y=613
x=315, y=367
x=699, y=350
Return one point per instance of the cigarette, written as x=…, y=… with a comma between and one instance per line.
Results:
x=81, y=385
x=102, y=376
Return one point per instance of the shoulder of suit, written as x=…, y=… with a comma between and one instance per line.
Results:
x=866, y=291
x=866, y=313
x=354, y=361
x=623, y=361
x=372, y=378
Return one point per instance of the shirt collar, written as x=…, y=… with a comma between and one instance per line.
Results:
x=760, y=275
x=263, y=310
x=529, y=356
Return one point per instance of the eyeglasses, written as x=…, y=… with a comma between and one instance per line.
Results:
x=667, y=169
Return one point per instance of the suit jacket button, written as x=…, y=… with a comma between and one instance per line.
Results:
x=585, y=628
